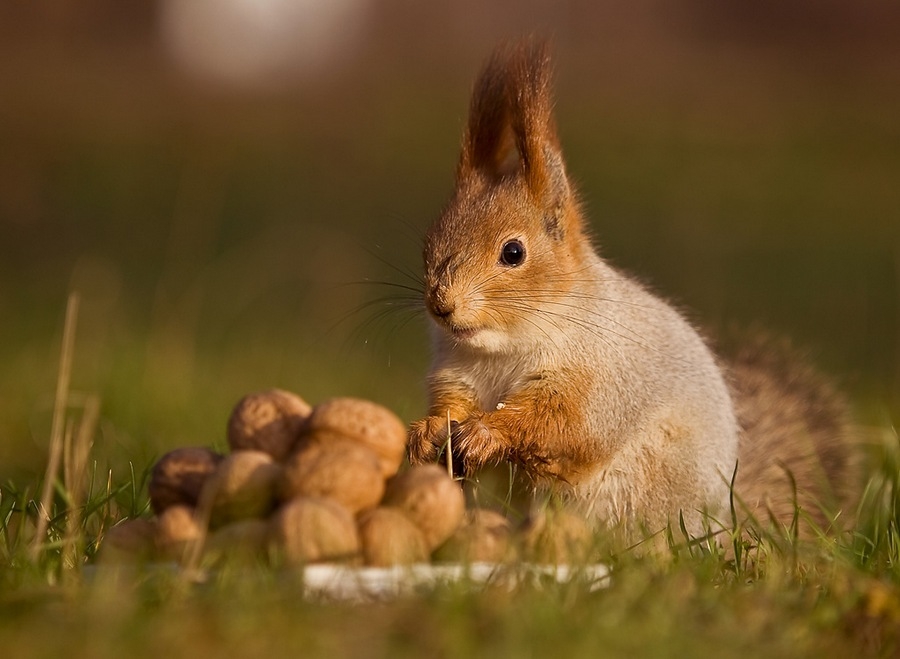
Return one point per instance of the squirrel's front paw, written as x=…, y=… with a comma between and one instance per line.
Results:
x=426, y=439
x=476, y=444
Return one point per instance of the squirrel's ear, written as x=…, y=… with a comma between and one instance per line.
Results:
x=489, y=145
x=531, y=116
x=511, y=128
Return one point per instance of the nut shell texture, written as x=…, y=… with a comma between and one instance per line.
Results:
x=268, y=421
x=178, y=477
x=389, y=537
x=431, y=499
x=345, y=471
x=484, y=537
x=176, y=528
x=366, y=422
x=242, y=487
x=313, y=531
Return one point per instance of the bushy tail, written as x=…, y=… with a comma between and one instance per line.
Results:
x=799, y=457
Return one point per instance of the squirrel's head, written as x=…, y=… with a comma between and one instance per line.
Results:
x=510, y=242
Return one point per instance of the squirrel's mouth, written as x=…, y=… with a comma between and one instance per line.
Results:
x=460, y=332
x=473, y=337
x=464, y=332
x=449, y=323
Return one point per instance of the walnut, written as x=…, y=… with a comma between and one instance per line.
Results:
x=430, y=498
x=242, y=487
x=366, y=422
x=308, y=530
x=178, y=477
x=484, y=536
x=176, y=529
x=343, y=470
x=268, y=421
x=389, y=537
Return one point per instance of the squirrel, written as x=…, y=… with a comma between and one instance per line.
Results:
x=546, y=356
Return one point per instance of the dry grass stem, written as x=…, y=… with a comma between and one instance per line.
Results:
x=449, y=448
x=76, y=453
x=56, y=430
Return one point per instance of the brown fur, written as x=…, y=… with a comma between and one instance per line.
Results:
x=797, y=450
x=571, y=369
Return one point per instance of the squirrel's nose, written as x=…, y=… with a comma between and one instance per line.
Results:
x=440, y=306
x=442, y=309
x=442, y=312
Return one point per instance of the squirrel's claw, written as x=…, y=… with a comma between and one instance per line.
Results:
x=426, y=438
x=476, y=444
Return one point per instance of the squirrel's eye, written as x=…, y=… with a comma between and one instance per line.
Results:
x=512, y=253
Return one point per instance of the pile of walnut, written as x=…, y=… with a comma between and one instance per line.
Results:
x=321, y=484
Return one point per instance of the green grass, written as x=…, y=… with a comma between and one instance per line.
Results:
x=834, y=598
x=771, y=595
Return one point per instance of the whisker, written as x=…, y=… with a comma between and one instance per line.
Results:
x=412, y=275
x=391, y=284
x=525, y=317
x=547, y=293
x=479, y=287
x=592, y=312
x=596, y=329
x=551, y=317
x=388, y=305
x=375, y=323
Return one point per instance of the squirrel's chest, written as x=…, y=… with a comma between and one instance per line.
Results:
x=494, y=380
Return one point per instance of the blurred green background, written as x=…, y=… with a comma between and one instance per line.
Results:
x=220, y=187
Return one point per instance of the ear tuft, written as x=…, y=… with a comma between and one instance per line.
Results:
x=531, y=112
x=489, y=142
x=511, y=127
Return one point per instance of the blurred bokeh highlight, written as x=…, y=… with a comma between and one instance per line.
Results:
x=224, y=182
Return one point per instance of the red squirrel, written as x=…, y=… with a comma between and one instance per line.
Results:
x=547, y=356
